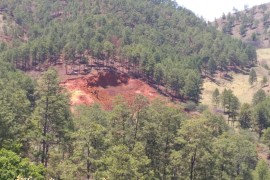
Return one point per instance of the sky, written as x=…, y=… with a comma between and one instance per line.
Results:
x=209, y=9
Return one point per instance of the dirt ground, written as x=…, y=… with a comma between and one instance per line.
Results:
x=103, y=87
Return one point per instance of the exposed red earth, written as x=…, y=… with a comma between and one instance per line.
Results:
x=103, y=87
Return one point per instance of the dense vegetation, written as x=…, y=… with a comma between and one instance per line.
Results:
x=155, y=39
x=138, y=141
x=253, y=116
x=42, y=139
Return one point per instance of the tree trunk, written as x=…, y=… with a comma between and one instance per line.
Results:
x=166, y=150
x=192, y=165
x=136, y=129
x=66, y=68
x=44, y=133
x=88, y=163
x=46, y=154
x=123, y=128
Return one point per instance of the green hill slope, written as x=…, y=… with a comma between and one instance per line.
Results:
x=156, y=39
x=166, y=45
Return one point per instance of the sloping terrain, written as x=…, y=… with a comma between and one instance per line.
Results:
x=239, y=82
x=10, y=30
x=103, y=87
x=250, y=25
x=95, y=48
x=159, y=40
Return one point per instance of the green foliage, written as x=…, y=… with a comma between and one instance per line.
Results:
x=122, y=164
x=262, y=171
x=190, y=106
x=245, y=116
x=153, y=39
x=261, y=116
x=242, y=30
x=140, y=140
x=16, y=97
x=212, y=66
x=266, y=137
x=230, y=103
x=192, y=86
x=264, y=81
x=237, y=156
x=194, y=138
x=258, y=97
x=51, y=118
x=254, y=37
x=222, y=155
x=135, y=140
x=13, y=166
x=90, y=143
x=252, y=77
x=159, y=73
x=216, y=97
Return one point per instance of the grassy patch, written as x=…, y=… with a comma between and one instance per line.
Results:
x=239, y=83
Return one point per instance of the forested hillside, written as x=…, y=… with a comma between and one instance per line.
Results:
x=142, y=140
x=156, y=39
x=250, y=25
x=42, y=137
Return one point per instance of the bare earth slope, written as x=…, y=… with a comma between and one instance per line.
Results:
x=103, y=87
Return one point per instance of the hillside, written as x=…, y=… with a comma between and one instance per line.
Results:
x=10, y=30
x=239, y=82
x=250, y=25
x=162, y=42
x=110, y=89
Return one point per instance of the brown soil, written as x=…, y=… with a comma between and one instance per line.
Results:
x=263, y=153
x=103, y=87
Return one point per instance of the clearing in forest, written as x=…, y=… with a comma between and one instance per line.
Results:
x=102, y=87
x=239, y=82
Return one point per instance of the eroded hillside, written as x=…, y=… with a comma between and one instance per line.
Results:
x=103, y=87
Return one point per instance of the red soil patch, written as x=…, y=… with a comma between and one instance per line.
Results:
x=102, y=88
x=263, y=153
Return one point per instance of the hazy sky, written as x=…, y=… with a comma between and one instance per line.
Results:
x=209, y=9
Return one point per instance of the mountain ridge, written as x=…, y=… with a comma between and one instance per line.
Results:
x=250, y=25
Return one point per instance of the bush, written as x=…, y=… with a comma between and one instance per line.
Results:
x=201, y=108
x=190, y=106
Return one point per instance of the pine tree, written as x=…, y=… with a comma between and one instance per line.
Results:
x=216, y=97
x=252, y=77
x=159, y=73
x=258, y=97
x=262, y=171
x=212, y=66
x=52, y=115
x=264, y=81
x=245, y=116
x=266, y=137
x=90, y=138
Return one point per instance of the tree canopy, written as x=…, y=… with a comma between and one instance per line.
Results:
x=157, y=39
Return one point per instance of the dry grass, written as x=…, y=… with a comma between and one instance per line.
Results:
x=239, y=84
x=1, y=24
x=264, y=56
